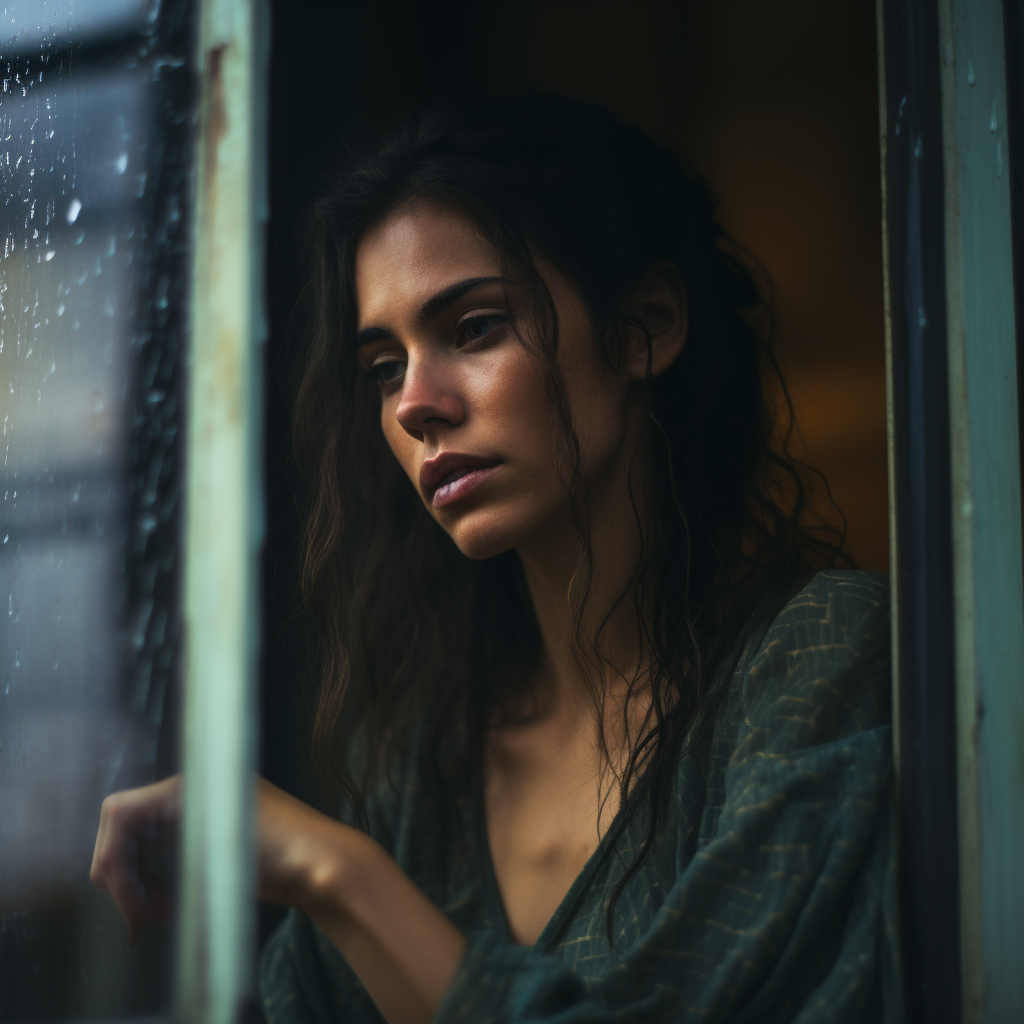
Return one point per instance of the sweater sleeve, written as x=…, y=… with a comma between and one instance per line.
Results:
x=303, y=977
x=785, y=912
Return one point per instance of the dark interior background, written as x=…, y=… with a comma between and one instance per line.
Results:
x=775, y=104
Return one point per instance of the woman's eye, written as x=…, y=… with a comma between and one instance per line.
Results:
x=388, y=371
x=476, y=327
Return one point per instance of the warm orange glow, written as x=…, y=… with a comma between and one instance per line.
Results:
x=776, y=105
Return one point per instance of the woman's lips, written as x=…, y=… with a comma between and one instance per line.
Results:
x=452, y=475
x=459, y=483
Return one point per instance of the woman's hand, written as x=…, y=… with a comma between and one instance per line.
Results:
x=403, y=948
x=297, y=849
x=137, y=826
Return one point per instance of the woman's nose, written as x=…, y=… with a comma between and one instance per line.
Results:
x=429, y=398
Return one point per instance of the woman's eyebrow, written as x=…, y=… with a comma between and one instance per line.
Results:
x=432, y=307
x=368, y=334
x=439, y=302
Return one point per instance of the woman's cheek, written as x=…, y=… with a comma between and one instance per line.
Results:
x=512, y=396
x=403, y=447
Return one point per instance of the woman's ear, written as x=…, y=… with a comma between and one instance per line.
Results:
x=660, y=304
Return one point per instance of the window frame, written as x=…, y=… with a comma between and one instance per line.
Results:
x=955, y=504
x=224, y=517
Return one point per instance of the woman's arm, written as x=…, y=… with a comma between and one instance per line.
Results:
x=404, y=950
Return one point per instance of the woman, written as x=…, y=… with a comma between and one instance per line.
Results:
x=607, y=747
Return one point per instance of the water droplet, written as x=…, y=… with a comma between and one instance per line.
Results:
x=970, y=73
x=121, y=163
x=6, y=537
x=10, y=604
x=74, y=209
x=50, y=254
x=919, y=148
x=993, y=123
x=17, y=663
x=60, y=309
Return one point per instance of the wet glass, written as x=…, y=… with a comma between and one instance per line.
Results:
x=95, y=184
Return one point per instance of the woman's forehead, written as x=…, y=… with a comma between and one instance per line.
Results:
x=414, y=252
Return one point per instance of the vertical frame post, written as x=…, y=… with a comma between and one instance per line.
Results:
x=922, y=562
x=224, y=524
x=958, y=576
x=988, y=571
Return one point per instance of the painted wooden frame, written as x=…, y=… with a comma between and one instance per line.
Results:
x=224, y=524
x=955, y=482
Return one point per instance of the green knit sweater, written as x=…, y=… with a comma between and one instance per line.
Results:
x=768, y=896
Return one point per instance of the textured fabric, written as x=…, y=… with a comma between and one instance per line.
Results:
x=768, y=897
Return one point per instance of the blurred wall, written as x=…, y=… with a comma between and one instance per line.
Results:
x=776, y=105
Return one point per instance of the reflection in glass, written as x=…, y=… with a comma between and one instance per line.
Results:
x=88, y=517
x=25, y=23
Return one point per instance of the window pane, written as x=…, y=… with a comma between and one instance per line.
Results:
x=28, y=23
x=93, y=177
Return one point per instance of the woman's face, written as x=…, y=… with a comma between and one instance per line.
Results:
x=464, y=406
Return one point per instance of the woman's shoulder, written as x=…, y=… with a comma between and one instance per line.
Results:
x=839, y=600
x=821, y=670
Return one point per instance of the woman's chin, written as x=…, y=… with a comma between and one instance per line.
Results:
x=480, y=548
x=484, y=533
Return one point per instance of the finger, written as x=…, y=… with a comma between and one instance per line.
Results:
x=129, y=897
x=118, y=860
x=110, y=843
x=139, y=894
x=115, y=840
x=97, y=874
x=159, y=898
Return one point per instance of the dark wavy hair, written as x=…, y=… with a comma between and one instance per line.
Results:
x=420, y=642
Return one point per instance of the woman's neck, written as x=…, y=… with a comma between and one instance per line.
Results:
x=609, y=623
